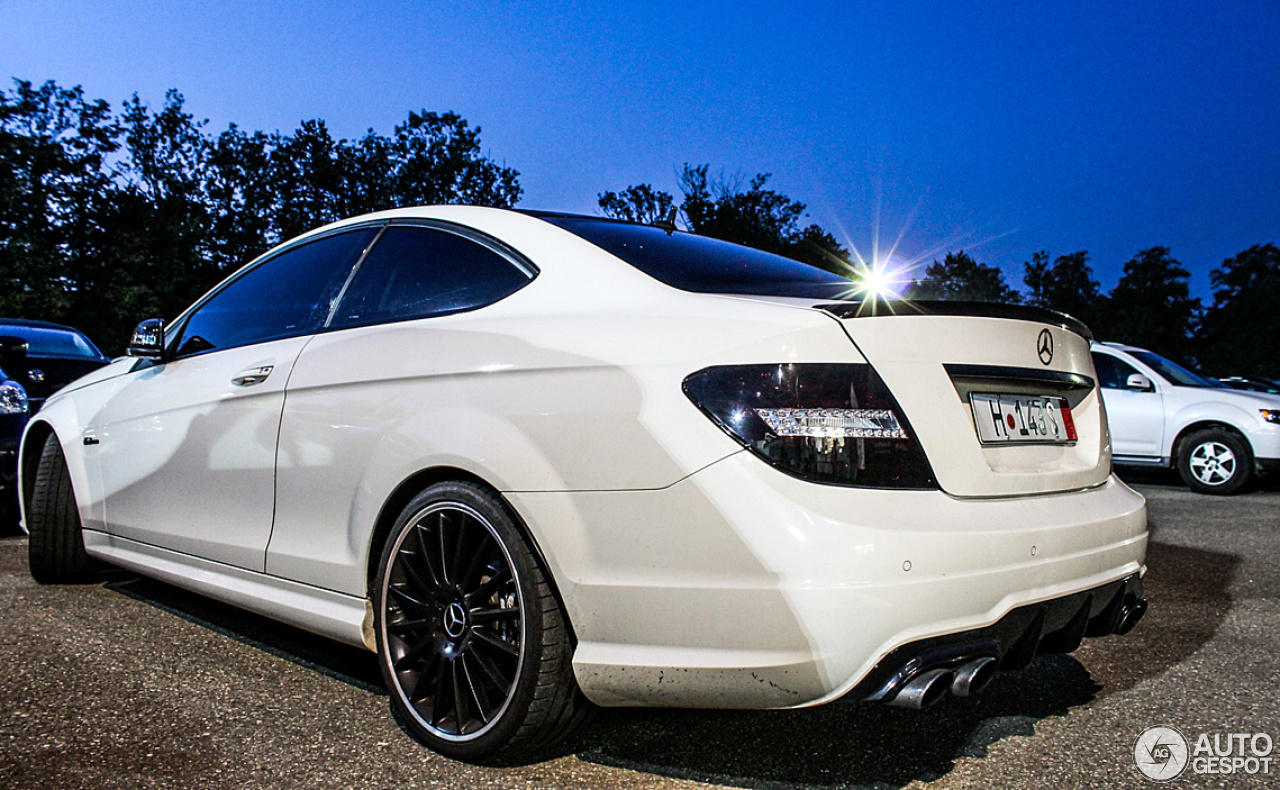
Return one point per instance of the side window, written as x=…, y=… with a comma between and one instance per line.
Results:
x=286, y=296
x=1112, y=373
x=416, y=272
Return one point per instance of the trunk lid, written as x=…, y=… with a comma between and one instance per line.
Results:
x=935, y=356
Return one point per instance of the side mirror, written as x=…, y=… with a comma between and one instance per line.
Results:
x=148, y=340
x=13, y=348
x=1137, y=381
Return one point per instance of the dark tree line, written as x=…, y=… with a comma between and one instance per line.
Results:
x=721, y=208
x=107, y=217
x=1151, y=306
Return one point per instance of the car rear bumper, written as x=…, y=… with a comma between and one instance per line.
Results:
x=742, y=587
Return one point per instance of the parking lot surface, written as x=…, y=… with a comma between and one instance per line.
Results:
x=135, y=684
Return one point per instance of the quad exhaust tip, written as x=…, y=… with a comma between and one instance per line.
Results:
x=924, y=690
x=971, y=678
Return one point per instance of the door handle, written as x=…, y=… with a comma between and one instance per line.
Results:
x=251, y=376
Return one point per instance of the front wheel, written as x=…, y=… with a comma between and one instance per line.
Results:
x=473, y=644
x=1214, y=461
x=55, y=551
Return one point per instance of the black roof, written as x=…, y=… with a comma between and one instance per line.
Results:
x=541, y=214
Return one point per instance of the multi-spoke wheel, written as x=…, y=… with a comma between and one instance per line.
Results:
x=473, y=644
x=1214, y=461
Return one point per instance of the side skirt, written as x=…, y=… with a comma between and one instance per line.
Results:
x=335, y=615
x=1140, y=460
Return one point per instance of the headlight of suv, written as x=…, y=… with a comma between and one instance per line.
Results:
x=1271, y=415
x=13, y=399
x=827, y=423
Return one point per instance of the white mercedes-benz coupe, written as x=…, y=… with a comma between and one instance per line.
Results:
x=536, y=461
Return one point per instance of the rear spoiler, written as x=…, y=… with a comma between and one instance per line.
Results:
x=869, y=308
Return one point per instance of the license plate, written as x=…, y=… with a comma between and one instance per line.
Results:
x=1006, y=419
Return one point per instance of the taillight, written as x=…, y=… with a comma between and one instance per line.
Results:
x=828, y=423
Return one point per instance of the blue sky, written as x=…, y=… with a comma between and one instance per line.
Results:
x=998, y=128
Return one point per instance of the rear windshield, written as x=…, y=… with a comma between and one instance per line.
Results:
x=705, y=265
x=44, y=342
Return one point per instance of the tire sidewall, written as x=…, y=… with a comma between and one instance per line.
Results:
x=516, y=549
x=1238, y=446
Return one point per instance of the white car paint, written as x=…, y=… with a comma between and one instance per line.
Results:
x=693, y=573
x=1146, y=426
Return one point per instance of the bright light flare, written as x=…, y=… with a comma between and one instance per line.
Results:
x=882, y=280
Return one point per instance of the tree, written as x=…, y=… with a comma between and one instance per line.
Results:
x=54, y=151
x=107, y=220
x=430, y=159
x=242, y=195
x=639, y=203
x=1066, y=285
x=721, y=209
x=960, y=278
x=437, y=159
x=1151, y=306
x=1238, y=334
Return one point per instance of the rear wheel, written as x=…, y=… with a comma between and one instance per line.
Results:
x=56, y=548
x=1214, y=461
x=473, y=644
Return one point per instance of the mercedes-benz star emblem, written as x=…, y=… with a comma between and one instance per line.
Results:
x=36, y=375
x=455, y=620
x=1044, y=346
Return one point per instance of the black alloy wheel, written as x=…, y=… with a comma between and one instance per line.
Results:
x=472, y=641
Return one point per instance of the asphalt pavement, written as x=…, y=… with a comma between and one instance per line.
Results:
x=135, y=684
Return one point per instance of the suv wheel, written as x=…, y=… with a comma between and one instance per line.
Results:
x=1214, y=461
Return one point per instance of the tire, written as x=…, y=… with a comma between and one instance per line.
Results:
x=473, y=644
x=1215, y=461
x=55, y=550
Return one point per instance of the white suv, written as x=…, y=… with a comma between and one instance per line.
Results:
x=1162, y=414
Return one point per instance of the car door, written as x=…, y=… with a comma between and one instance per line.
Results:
x=1135, y=416
x=391, y=355
x=188, y=446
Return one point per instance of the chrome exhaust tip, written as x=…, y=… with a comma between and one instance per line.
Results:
x=972, y=677
x=923, y=690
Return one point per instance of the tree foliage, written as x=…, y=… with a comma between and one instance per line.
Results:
x=1066, y=285
x=106, y=219
x=54, y=150
x=109, y=217
x=1151, y=306
x=1239, y=334
x=722, y=209
x=639, y=203
x=959, y=277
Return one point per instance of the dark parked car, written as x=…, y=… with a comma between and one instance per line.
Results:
x=37, y=358
x=1252, y=384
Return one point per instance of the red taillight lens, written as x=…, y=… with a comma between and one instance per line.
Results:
x=1064, y=408
x=828, y=423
